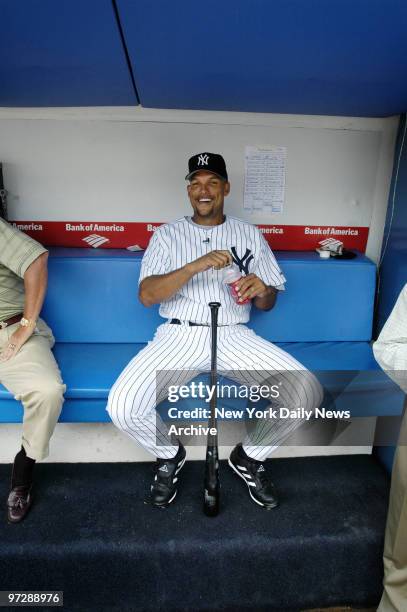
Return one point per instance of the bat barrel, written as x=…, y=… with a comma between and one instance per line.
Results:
x=211, y=480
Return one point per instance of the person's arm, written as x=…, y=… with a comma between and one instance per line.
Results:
x=157, y=288
x=35, y=285
x=263, y=284
x=160, y=287
x=390, y=349
x=267, y=300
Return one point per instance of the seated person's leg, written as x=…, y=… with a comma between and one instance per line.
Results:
x=253, y=361
x=134, y=397
x=395, y=544
x=33, y=376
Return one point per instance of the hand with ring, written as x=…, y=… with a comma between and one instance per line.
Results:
x=7, y=352
x=15, y=343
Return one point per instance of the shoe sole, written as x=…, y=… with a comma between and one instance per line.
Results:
x=259, y=503
x=167, y=503
x=11, y=521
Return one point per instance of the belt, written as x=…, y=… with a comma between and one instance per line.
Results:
x=190, y=323
x=10, y=321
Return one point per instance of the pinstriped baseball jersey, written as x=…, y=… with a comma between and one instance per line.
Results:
x=175, y=244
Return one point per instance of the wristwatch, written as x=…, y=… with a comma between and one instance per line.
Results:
x=27, y=322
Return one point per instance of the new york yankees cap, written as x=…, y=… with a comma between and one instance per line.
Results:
x=212, y=162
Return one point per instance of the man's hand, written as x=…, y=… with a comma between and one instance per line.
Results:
x=160, y=287
x=214, y=259
x=252, y=287
x=15, y=342
x=249, y=287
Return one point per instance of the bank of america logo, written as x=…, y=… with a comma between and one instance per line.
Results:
x=95, y=240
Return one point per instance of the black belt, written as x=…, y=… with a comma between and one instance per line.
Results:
x=10, y=321
x=190, y=323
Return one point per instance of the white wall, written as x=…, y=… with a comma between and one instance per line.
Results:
x=82, y=442
x=129, y=164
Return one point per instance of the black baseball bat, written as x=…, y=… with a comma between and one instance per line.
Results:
x=3, y=196
x=211, y=481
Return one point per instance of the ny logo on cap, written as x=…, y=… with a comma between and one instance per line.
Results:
x=203, y=160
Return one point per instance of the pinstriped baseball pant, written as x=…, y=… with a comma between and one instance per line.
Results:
x=134, y=396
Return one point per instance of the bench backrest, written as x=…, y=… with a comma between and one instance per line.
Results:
x=92, y=297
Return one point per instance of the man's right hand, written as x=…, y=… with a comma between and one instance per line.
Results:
x=214, y=259
x=157, y=288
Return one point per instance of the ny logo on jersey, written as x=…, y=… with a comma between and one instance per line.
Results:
x=242, y=262
x=203, y=160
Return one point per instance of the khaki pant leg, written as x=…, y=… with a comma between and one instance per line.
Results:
x=395, y=546
x=34, y=378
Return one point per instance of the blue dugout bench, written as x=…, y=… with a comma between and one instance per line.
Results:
x=324, y=319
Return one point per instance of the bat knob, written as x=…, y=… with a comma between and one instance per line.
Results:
x=214, y=305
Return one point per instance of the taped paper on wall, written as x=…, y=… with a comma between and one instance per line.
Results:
x=264, y=180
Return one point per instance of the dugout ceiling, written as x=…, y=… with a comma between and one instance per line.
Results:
x=342, y=57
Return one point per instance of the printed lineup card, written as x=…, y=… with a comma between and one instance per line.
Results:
x=264, y=181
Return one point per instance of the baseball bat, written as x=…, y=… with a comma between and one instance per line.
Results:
x=3, y=196
x=211, y=480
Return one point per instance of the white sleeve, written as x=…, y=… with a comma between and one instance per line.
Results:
x=390, y=349
x=156, y=259
x=267, y=267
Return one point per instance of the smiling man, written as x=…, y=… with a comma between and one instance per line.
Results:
x=182, y=270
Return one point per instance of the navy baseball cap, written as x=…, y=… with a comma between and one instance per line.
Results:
x=211, y=162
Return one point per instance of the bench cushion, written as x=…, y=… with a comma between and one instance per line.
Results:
x=89, y=370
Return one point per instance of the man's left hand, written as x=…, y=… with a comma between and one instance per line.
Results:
x=251, y=286
x=15, y=342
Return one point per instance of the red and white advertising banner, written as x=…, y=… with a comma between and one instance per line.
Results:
x=135, y=236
